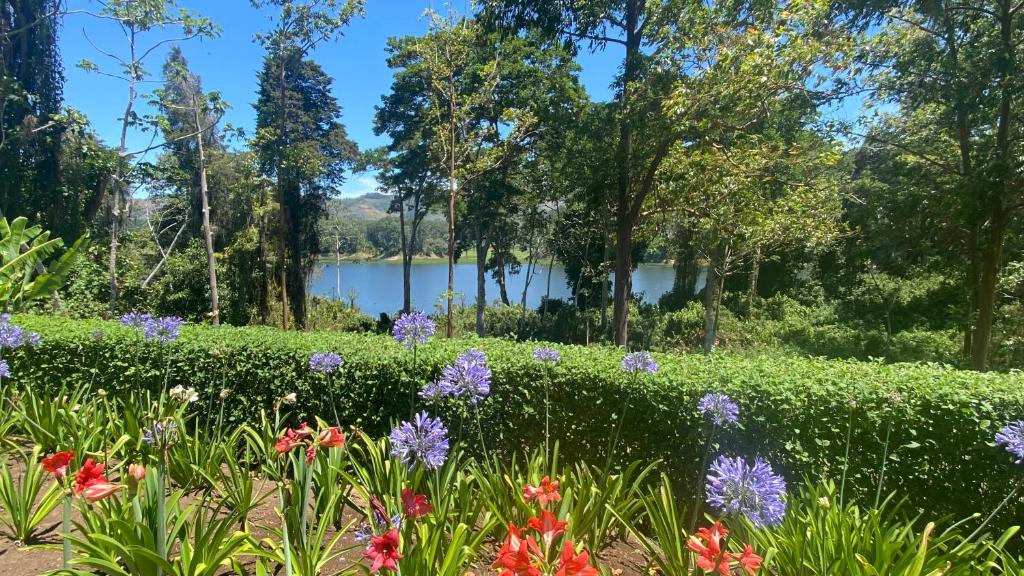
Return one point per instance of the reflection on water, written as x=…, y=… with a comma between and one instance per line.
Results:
x=377, y=285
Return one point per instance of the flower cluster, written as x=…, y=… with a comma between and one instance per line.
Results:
x=719, y=408
x=183, y=395
x=383, y=548
x=755, y=491
x=413, y=328
x=424, y=442
x=1011, y=437
x=13, y=336
x=469, y=377
x=639, y=362
x=5, y=369
x=161, y=434
x=89, y=481
x=163, y=329
x=545, y=355
x=305, y=437
x=546, y=492
x=712, y=558
x=326, y=362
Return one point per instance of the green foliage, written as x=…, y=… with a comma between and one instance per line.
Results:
x=794, y=410
x=27, y=271
x=25, y=501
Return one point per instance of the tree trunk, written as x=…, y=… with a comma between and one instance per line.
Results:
x=281, y=214
x=712, y=294
x=451, y=219
x=406, y=268
x=990, y=262
x=605, y=281
x=211, y=263
x=755, y=271
x=482, y=248
x=263, y=298
x=117, y=190
x=500, y=275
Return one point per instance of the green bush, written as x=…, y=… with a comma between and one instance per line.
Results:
x=794, y=410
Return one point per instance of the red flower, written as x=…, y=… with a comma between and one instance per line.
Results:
x=710, y=557
x=99, y=490
x=90, y=473
x=415, y=505
x=287, y=442
x=383, y=550
x=750, y=561
x=546, y=492
x=57, y=464
x=303, y=431
x=573, y=565
x=310, y=454
x=549, y=527
x=515, y=554
x=332, y=437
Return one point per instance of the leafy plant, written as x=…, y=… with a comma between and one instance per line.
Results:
x=24, y=502
x=25, y=272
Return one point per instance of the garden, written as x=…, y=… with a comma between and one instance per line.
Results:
x=148, y=446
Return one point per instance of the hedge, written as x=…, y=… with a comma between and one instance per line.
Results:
x=794, y=411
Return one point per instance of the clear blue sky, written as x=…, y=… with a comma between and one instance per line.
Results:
x=229, y=64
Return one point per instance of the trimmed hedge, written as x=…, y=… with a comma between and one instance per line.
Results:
x=794, y=411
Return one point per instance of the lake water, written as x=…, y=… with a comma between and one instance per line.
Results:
x=377, y=285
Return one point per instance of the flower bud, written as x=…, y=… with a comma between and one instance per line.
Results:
x=137, y=471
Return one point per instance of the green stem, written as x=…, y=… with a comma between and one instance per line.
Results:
x=618, y=429
x=846, y=461
x=547, y=413
x=412, y=385
x=334, y=403
x=885, y=459
x=66, y=529
x=480, y=427
x=307, y=476
x=989, y=518
x=694, y=515
x=161, y=515
x=284, y=532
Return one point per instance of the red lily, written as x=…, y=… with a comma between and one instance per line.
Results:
x=90, y=473
x=546, y=492
x=303, y=431
x=332, y=437
x=310, y=454
x=57, y=464
x=549, y=527
x=287, y=442
x=710, y=556
x=514, y=557
x=415, y=505
x=573, y=565
x=750, y=561
x=383, y=550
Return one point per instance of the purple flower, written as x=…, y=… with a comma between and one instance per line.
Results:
x=325, y=362
x=753, y=491
x=161, y=433
x=363, y=533
x=12, y=336
x=469, y=377
x=1012, y=438
x=135, y=319
x=639, y=362
x=719, y=408
x=542, y=354
x=434, y=391
x=5, y=369
x=413, y=328
x=164, y=329
x=423, y=441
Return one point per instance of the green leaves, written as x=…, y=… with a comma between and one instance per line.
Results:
x=25, y=272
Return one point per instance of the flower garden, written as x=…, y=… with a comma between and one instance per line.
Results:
x=150, y=447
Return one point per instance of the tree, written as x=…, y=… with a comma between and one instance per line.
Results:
x=306, y=163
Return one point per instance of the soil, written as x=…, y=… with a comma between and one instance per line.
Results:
x=43, y=554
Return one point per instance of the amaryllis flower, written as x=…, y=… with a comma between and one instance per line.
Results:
x=639, y=362
x=415, y=505
x=707, y=543
x=57, y=464
x=137, y=471
x=1011, y=437
x=100, y=490
x=310, y=454
x=289, y=441
x=424, y=441
x=755, y=491
x=750, y=561
x=383, y=551
x=413, y=328
x=515, y=555
x=548, y=526
x=571, y=564
x=332, y=437
x=326, y=362
x=303, y=431
x=719, y=408
x=546, y=492
x=90, y=473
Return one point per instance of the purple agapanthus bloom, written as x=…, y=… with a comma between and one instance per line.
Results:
x=5, y=369
x=433, y=391
x=755, y=491
x=542, y=354
x=424, y=442
x=719, y=408
x=12, y=336
x=413, y=328
x=468, y=377
x=135, y=319
x=639, y=362
x=325, y=362
x=363, y=533
x=164, y=329
x=1011, y=437
x=161, y=433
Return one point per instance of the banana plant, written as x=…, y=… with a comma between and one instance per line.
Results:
x=27, y=271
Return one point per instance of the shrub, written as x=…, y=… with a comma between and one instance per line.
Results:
x=794, y=410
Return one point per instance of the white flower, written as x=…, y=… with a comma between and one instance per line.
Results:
x=290, y=398
x=182, y=394
x=101, y=393
x=224, y=393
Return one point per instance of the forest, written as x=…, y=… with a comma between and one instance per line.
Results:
x=848, y=175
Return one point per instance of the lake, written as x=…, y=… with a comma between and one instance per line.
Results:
x=377, y=285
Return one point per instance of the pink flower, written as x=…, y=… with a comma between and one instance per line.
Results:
x=90, y=473
x=100, y=490
x=546, y=492
x=332, y=437
x=415, y=505
x=137, y=471
x=383, y=550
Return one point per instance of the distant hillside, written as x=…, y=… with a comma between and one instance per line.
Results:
x=368, y=207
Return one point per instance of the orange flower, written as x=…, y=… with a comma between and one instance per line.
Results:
x=332, y=437
x=287, y=442
x=708, y=546
x=573, y=565
x=57, y=464
x=546, y=492
x=750, y=561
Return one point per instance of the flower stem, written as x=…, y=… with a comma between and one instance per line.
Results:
x=846, y=461
x=284, y=532
x=66, y=529
x=480, y=427
x=161, y=515
x=885, y=459
x=547, y=413
x=412, y=385
x=992, y=515
x=695, y=513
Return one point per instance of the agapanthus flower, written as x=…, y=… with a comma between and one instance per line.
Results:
x=12, y=336
x=413, y=328
x=468, y=377
x=383, y=551
x=326, y=362
x=363, y=533
x=57, y=464
x=164, y=329
x=5, y=369
x=161, y=433
x=424, y=441
x=1011, y=437
x=433, y=391
x=719, y=408
x=184, y=395
x=135, y=319
x=542, y=354
x=755, y=491
x=639, y=362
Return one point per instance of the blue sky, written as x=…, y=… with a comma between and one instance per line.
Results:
x=229, y=64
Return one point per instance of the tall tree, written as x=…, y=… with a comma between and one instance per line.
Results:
x=305, y=170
